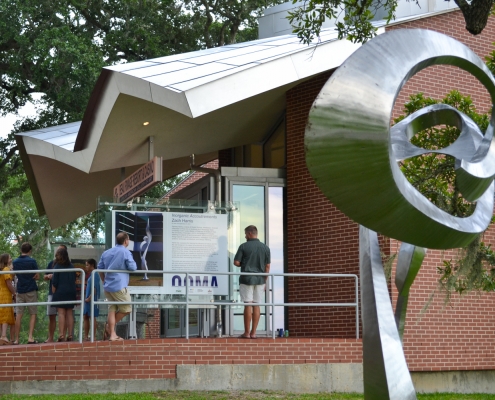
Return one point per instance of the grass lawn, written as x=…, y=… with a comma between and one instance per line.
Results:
x=236, y=395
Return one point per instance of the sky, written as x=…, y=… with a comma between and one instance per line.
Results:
x=7, y=123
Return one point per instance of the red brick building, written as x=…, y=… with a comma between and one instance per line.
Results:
x=320, y=239
x=317, y=238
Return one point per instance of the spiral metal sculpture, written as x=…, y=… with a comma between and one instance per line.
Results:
x=353, y=154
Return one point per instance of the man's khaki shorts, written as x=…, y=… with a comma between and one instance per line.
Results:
x=123, y=296
x=29, y=297
x=252, y=293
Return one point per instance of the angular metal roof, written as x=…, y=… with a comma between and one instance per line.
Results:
x=198, y=102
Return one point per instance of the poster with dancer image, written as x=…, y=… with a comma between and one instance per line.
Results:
x=176, y=243
x=145, y=230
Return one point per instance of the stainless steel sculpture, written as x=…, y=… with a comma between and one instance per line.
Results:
x=350, y=150
x=385, y=370
x=353, y=154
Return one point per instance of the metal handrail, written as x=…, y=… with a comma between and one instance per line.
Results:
x=187, y=303
x=52, y=303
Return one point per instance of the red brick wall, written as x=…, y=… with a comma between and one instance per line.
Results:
x=153, y=324
x=194, y=177
x=320, y=239
x=437, y=81
x=157, y=358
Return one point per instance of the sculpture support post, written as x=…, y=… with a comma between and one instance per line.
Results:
x=408, y=264
x=385, y=372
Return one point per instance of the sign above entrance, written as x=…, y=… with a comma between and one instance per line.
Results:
x=143, y=179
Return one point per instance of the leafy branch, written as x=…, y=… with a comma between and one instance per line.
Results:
x=473, y=267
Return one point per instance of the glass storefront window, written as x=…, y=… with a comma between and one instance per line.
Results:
x=274, y=149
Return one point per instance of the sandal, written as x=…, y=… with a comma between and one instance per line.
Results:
x=69, y=338
x=61, y=339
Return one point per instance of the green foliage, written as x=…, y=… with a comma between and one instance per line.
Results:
x=58, y=47
x=434, y=177
x=354, y=18
x=162, y=188
x=474, y=269
x=226, y=21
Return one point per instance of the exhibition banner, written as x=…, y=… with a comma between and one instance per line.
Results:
x=196, y=242
x=176, y=243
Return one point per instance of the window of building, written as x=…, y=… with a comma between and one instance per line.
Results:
x=268, y=154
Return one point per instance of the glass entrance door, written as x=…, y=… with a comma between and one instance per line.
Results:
x=251, y=200
x=259, y=193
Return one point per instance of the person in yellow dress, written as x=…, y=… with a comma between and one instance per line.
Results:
x=7, y=292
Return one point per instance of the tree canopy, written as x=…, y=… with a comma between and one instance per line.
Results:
x=56, y=49
x=355, y=16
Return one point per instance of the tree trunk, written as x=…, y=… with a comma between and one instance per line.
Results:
x=475, y=14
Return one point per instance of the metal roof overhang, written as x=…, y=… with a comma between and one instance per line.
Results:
x=69, y=166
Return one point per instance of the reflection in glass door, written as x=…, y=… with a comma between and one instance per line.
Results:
x=276, y=244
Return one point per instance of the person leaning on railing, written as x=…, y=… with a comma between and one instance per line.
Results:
x=51, y=311
x=64, y=289
x=115, y=283
x=252, y=256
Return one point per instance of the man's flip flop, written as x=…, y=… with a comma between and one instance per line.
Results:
x=244, y=337
x=117, y=339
